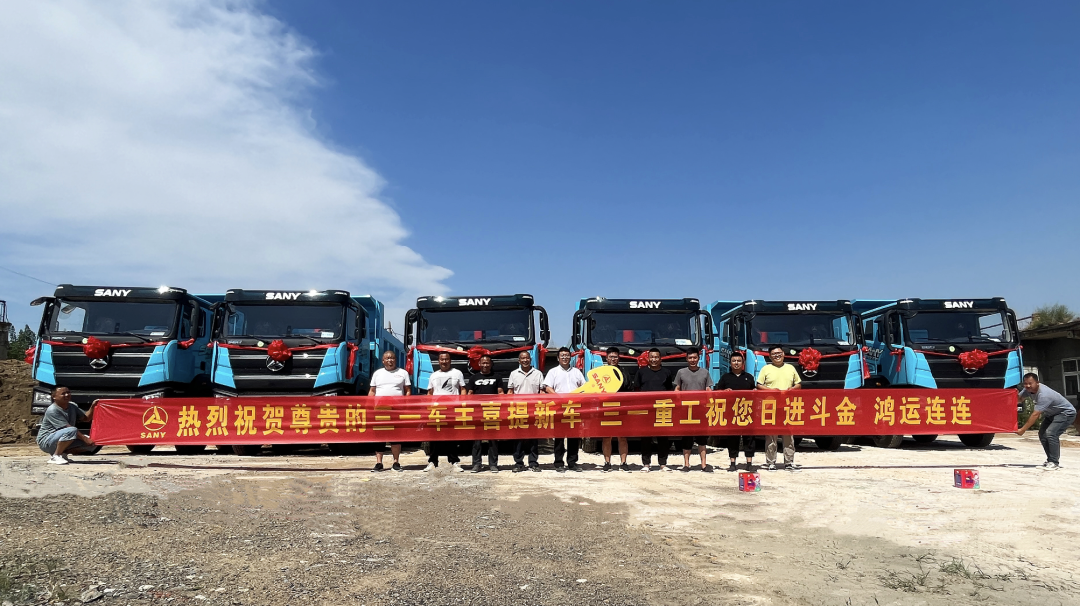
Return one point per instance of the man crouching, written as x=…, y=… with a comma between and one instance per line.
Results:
x=58, y=436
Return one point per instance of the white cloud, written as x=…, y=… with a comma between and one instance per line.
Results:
x=167, y=142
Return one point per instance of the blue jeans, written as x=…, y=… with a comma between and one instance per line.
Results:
x=48, y=445
x=1050, y=431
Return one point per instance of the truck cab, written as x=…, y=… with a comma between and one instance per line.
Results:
x=820, y=339
x=466, y=327
x=829, y=328
x=674, y=326
x=121, y=342
x=309, y=343
x=941, y=343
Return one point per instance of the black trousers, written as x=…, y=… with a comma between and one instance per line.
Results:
x=732, y=443
x=663, y=447
x=568, y=447
x=493, y=452
x=687, y=443
x=447, y=449
x=530, y=446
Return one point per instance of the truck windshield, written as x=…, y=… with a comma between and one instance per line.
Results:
x=968, y=326
x=643, y=328
x=143, y=318
x=476, y=326
x=311, y=320
x=800, y=329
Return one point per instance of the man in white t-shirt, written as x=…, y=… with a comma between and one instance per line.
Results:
x=447, y=381
x=526, y=380
x=565, y=379
x=389, y=381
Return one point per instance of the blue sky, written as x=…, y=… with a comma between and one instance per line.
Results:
x=712, y=150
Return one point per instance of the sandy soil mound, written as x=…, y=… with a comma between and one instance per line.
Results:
x=15, y=387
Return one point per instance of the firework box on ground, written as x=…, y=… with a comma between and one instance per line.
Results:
x=749, y=482
x=966, y=478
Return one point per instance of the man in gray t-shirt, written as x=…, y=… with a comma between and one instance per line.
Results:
x=58, y=436
x=693, y=378
x=1057, y=414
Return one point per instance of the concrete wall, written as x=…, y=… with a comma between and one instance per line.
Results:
x=1047, y=354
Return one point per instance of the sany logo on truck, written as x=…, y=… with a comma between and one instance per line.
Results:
x=111, y=292
x=959, y=304
x=802, y=306
x=474, y=301
x=282, y=296
x=644, y=305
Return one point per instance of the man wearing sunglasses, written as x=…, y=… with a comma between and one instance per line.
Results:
x=779, y=376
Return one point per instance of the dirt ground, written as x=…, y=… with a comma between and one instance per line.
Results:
x=15, y=388
x=858, y=526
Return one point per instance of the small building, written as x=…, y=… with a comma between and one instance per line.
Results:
x=1053, y=353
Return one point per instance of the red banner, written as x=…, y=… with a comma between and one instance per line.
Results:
x=811, y=412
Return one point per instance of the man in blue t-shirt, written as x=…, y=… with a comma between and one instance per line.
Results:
x=1057, y=414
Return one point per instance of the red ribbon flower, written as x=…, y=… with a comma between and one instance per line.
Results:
x=475, y=353
x=278, y=351
x=643, y=359
x=96, y=349
x=810, y=359
x=30, y=354
x=973, y=360
x=408, y=361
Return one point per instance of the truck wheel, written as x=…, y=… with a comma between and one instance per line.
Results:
x=924, y=439
x=224, y=448
x=284, y=449
x=140, y=448
x=190, y=449
x=246, y=450
x=95, y=450
x=977, y=440
x=888, y=441
x=590, y=445
x=347, y=449
x=830, y=443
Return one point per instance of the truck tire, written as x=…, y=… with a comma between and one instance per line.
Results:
x=140, y=448
x=246, y=450
x=924, y=439
x=590, y=445
x=190, y=449
x=888, y=441
x=976, y=440
x=830, y=443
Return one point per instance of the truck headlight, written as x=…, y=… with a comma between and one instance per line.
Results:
x=43, y=398
x=156, y=394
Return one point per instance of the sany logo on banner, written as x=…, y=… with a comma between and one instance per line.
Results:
x=154, y=420
x=959, y=304
x=802, y=306
x=111, y=292
x=282, y=296
x=644, y=305
x=474, y=301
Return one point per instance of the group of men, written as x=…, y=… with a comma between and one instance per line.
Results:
x=565, y=378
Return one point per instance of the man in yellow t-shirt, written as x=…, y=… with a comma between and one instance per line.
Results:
x=779, y=376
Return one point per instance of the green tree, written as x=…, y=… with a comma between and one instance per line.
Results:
x=19, y=342
x=1049, y=315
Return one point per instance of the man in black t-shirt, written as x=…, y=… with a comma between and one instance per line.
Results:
x=485, y=383
x=654, y=377
x=738, y=380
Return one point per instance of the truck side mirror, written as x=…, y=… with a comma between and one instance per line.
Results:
x=196, y=321
x=361, y=327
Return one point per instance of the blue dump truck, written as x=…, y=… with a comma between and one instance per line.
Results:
x=122, y=342
x=466, y=327
x=297, y=343
x=634, y=326
x=946, y=343
x=820, y=338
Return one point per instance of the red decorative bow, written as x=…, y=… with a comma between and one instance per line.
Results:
x=278, y=351
x=96, y=349
x=810, y=359
x=30, y=354
x=973, y=360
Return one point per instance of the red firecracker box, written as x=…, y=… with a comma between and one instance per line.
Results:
x=966, y=478
x=749, y=482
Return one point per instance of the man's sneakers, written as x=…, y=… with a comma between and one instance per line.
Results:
x=397, y=466
x=430, y=467
x=477, y=469
x=707, y=469
x=625, y=467
x=732, y=466
x=494, y=468
x=665, y=468
x=750, y=466
x=607, y=467
x=378, y=467
x=793, y=467
x=457, y=468
x=535, y=468
x=57, y=460
x=1047, y=466
x=685, y=469
x=770, y=467
x=518, y=468
x=645, y=468
x=574, y=467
